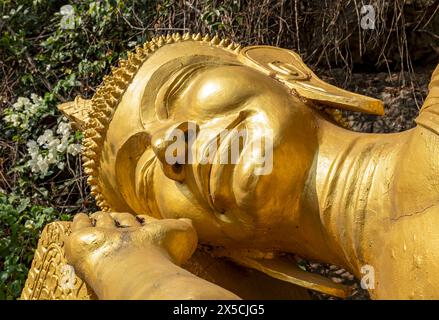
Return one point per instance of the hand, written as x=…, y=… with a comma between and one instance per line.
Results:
x=100, y=240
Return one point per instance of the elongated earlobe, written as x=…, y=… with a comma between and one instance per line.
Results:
x=287, y=67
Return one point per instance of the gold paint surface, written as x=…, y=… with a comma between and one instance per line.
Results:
x=360, y=201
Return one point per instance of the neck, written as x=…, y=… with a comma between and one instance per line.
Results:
x=351, y=173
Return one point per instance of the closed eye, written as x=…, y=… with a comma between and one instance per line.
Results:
x=172, y=86
x=176, y=84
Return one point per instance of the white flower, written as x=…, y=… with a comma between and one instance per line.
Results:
x=45, y=137
x=35, y=98
x=62, y=147
x=51, y=147
x=74, y=149
x=60, y=165
x=16, y=120
x=21, y=103
x=53, y=144
x=63, y=129
x=43, y=165
x=8, y=118
x=13, y=119
x=32, y=148
x=52, y=156
x=33, y=164
x=32, y=109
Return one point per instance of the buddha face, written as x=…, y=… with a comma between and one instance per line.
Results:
x=243, y=201
x=218, y=96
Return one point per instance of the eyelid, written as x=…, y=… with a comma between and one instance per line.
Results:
x=181, y=79
x=172, y=86
x=176, y=82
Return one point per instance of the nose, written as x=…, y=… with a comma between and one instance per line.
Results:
x=171, y=145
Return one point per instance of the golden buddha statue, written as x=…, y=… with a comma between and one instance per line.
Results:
x=222, y=230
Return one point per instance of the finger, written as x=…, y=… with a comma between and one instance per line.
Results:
x=144, y=219
x=125, y=219
x=96, y=214
x=80, y=221
x=104, y=220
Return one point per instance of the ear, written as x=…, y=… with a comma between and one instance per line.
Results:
x=129, y=168
x=77, y=111
x=287, y=67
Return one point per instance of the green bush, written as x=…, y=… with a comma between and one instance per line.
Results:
x=20, y=225
x=48, y=55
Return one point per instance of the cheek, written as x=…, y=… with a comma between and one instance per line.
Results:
x=264, y=195
x=279, y=184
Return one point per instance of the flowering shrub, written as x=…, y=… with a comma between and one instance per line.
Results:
x=23, y=111
x=24, y=115
x=49, y=139
x=51, y=147
x=48, y=55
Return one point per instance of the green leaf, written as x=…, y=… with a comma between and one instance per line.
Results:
x=23, y=204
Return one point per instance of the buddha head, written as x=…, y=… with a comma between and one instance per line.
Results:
x=211, y=91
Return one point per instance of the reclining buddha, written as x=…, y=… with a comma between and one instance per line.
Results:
x=235, y=229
